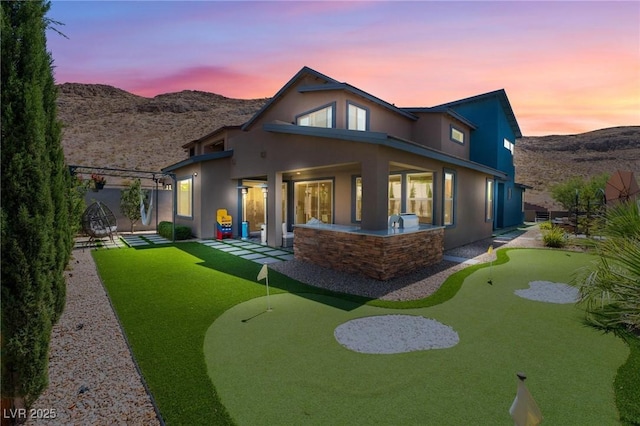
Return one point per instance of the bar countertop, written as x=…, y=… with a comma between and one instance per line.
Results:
x=355, y=229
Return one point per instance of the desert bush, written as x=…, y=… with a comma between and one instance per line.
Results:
x=554, y=237
x=165, y=229
x=610, y=288
x=546, y=225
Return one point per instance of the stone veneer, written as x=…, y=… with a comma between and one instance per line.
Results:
x=375, y=256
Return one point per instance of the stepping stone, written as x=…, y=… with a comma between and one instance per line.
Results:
x=228, y=248
x=244, y=244
x=253, y=256
x=215, y=245
x=262, y=249
x=286, y=257
x=254, y=247
x=137, y=244
x=155, y=238
x=239, y=252
x=267, y=260
x=232, y=241
x=276, y=252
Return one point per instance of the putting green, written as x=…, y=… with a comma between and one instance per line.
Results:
x=286, y=367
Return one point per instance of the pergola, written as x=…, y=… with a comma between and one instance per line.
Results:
x=155, y=176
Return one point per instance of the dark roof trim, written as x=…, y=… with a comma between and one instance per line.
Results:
x=208, y=135
x=504, y=101
x=522, y=185
x=354, y=90
x=383, y=139
x=276, y=97
x=199, y=159
x=440, y=110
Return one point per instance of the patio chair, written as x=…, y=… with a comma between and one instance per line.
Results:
x=99, y=222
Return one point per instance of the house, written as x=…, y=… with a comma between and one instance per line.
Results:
x=333, y=163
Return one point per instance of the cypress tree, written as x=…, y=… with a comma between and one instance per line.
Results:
x=35, y=209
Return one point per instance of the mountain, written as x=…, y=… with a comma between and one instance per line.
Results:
x=545, y=160
x=109, y=127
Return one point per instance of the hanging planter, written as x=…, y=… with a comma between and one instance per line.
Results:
x=97, y=182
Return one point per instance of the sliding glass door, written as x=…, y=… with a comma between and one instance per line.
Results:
x=313, y=199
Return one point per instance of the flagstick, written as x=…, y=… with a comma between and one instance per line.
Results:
x=490, y=251
x=268, y=301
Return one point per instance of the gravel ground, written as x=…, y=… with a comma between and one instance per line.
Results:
x=393, y=334
x=546, y=291
x=415, y=285
x=92, y=376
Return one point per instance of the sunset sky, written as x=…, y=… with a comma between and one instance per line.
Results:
x=567, y=67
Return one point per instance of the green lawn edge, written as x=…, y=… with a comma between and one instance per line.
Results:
x=205, y=406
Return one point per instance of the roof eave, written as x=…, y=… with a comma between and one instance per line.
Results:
x=198, y=159
x=382, y=139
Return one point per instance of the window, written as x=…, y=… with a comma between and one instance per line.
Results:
x=456, y=135
x=420, y=196
x=185, y=197
x=322, y=117
x=489, y=201
x=357, y=118
x=449, y=198
x=313, y=199
x=395, y=194
x=358, y=199
x=509, y=145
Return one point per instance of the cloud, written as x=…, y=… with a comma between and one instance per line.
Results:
x=222, y=80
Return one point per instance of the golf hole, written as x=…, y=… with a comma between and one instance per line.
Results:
x=394, y=334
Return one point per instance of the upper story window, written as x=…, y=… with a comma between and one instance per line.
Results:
x=357, y=117
x=456, y=134
x=509, y=145
x=321, y=117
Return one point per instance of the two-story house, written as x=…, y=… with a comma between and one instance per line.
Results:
x=327, y=152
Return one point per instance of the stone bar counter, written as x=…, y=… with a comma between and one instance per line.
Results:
x=381, y=255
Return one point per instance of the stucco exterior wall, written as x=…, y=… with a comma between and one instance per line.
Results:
x=470, y=224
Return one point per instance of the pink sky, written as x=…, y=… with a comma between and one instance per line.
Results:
x=567, y=67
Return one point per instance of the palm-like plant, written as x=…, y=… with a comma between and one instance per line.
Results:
x=610, y=287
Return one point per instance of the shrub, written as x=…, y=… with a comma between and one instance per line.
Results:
x=546, y=226
x=165, y=229
x=554, y=237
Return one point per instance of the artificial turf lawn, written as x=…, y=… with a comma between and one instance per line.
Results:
x=168, y=297
x=285, y=366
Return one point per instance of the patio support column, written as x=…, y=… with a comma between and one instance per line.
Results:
x=274, y=209
x=375, y=193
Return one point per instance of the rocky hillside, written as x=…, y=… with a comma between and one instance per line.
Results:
x=543, y=161
x=109, y=127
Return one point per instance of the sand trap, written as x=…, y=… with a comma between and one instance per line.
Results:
x=547, y=291
x=394, y=334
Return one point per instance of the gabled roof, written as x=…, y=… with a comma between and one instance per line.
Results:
x=277, y=96
x=330, y=84
x=504, y=102
x=198, y=159
x=354, y=90
x=443, y=110
x=208, y=135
